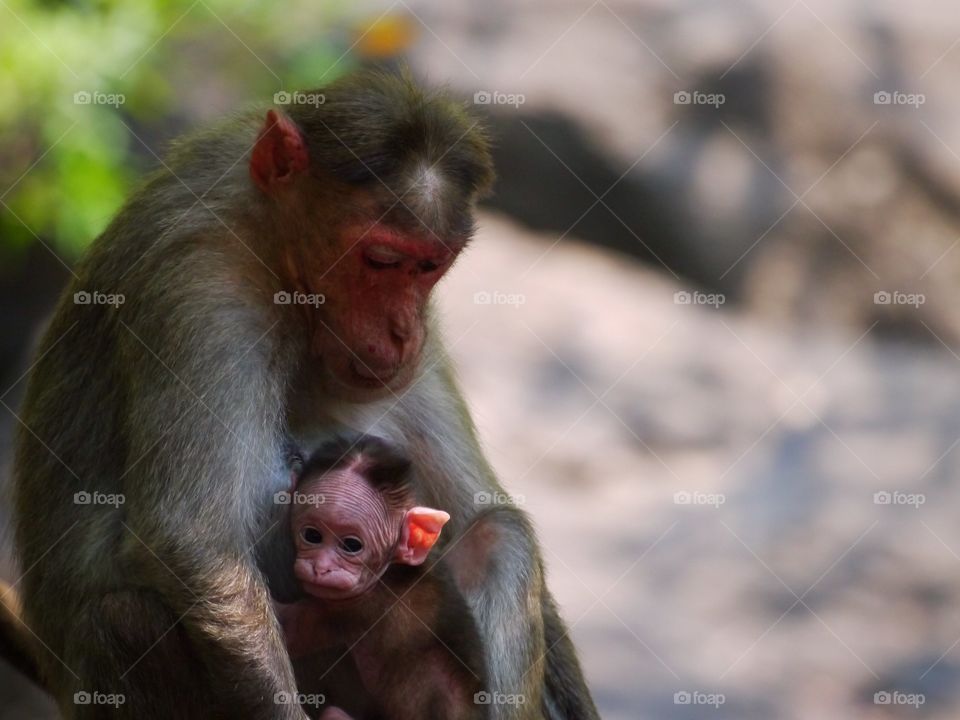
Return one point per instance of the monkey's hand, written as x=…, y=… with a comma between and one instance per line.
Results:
x=208, y=471
x=503, y=577
x=334, y=714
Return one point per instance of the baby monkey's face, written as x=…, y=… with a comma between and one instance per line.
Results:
x=347, y=534
x=344, y=533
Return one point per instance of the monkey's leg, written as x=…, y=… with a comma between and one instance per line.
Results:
x=126, y=656
x=129, y=655
x=16, y=644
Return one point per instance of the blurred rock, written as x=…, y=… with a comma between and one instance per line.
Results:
x=830, y=170
x=777, y=576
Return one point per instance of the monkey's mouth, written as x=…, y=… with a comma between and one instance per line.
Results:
x=351, y=381
x=368, y=378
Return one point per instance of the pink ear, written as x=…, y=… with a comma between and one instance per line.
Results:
x=421, y=528
x=279, y=154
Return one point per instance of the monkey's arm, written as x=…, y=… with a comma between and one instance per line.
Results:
x=472, y=559
x=202, y=430
x=527, y=652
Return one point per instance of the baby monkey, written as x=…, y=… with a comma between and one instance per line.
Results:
x=382, y=634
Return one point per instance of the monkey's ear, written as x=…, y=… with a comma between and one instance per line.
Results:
x=279, y=154
x=421, y=528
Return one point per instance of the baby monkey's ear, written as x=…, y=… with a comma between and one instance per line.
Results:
x=421, y=528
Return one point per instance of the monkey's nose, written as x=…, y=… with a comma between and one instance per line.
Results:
x=406, y=341
x=401, y=331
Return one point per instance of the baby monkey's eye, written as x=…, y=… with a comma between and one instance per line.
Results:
x=312, y=535
x=351, y=545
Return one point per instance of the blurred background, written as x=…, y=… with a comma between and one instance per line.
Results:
x=709, y=329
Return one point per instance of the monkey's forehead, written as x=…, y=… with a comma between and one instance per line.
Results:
x=381, y=123
x=419, y=147
x=344, y=491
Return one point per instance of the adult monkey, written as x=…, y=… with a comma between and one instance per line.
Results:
x=180, y=399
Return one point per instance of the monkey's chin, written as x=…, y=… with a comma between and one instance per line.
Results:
x=329, y=594
x=347, y=384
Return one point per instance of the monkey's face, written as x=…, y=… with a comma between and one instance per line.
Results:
x=377, y=226
x=332, y=564
x=373, y=327
x=344, y=535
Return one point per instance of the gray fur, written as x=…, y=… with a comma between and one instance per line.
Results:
x=179, y=400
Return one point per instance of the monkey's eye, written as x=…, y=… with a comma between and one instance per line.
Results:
x=381, y=257
x=312, y=535
x=351, y=545
x=427, y=266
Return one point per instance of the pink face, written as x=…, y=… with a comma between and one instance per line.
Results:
x=376, y=281
x=374, y=329
x=347, y=534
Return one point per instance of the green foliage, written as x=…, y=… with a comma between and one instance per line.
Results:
x=147, y=69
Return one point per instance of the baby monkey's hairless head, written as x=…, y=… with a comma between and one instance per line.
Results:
x=354, y=514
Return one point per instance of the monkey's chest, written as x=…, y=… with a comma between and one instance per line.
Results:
x=311, y=424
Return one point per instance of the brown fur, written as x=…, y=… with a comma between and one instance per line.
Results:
x=178, y=400
x=414, y=644
x=410, y=637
